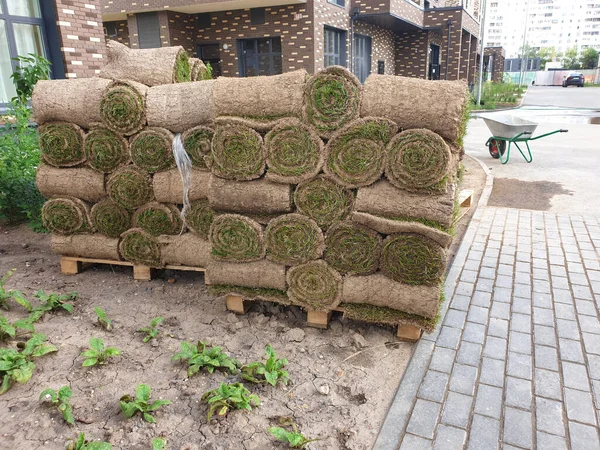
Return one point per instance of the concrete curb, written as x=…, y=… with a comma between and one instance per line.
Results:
x=400, y=409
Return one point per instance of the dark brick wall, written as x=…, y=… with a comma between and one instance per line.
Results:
x=81, y=36
x=382, y=46
x=498, y=62
x=182, y=30
x=411, y=54
x=122, y=32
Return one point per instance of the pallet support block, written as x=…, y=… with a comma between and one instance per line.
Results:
x=142, y=273
x=70, y=266
x=318, y=319
x=236, y=304
x=465, y=198
x=409, y=333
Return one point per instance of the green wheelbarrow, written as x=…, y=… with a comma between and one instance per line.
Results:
x=513, y=130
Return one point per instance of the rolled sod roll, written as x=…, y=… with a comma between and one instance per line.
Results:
x=331, y=100
x=237, y=153
x=178, y=107
x=414, y=103
x=86, y=246
x=258, y=196
x=75, y=100
x=293, y=239
x=314, y=285
x=139, y=247
x=84, y=182
x=105, y=150
x=378, y=290
x=236, y=238
x=66, y=215
x=249, y=293
x=184, y=250
x=130, y=187
x=257, y=274
x=158, y=218
x=389, y=226
x=418, y=161
x=110, y=219
x=152, y=149
x=150, y=66
x=61, y=144
x=323, y=200
x=198, y=70
x=259, y=101
x=355, y=155
x=123, y=107
x=196, y=142
x=384, y=199
x=413, y=259
x=168, y=187
x=199, y=218
x=352, y=249
x=294, y=152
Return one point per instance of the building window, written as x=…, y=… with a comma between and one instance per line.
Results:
x=257, y=16
x=335, y=47
x=148, y=30
x=211, y=53
x=260, y=57
x=203, y=21
x=341, y=3
x=110, y=29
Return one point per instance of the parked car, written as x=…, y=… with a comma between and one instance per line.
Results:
x=574, y=79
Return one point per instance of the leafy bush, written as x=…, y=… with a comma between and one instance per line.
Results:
x=270, y=372
x=81, y=444
x=97, y=354
x=227, y=397
x=200, y=356
x=141, y=403
x=62, y=400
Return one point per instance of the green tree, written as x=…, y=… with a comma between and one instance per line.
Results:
x=546, y=55
x=589, y=58
x=571, y=59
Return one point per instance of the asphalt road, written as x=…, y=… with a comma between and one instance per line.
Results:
x=565, y=173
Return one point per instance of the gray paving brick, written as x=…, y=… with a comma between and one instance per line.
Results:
x=542, y=300
x=542, y=286
x=575, y=268
x=520, y=322
x=484, y=285
x=544, y=335
x=463, y=379
x=562, y=296
x=492, y=372
x=560, y=282
x=489, y=401
x=472, y=264
x=505, y=269
x=481, y=298
x=578, y=278
x=523, y=277
x=502, y=295
x=484, y=433
x=424, y=418
x=575, y=376
x=517, y=427
x=521, y=305
x=547, y=384
x=557, y=260
x=475, y=254
x=487, y=273
x=518, y=393
x=505, y=281
x=470, y=276
x=579, y=406
x=558, y=271
x=543, y=316
x=500, y=310
x=455, y=318
x=519, y=365
x=593, y=275
x=570, y=350
x=540, y=273
x=591, y=343
x=564, y=311
x=489, y=262
x=519, y=342
x=567, y=329
x=596, y=393
x=546, y=357
x=434, y=386
x=442, y=359
x=589, y=324
x=457, y=410
x=507, y=259
x=582, y=292
x=583, y=437
x=522, y=290
x=498, y=328
x=594, y=366
x=469, y=354
x=449, y=337
x=460, y=302
x=549, y=416
x=547, y=441
x=478, y=314
x=449, y=438
x=411, y=442
x=474, y=332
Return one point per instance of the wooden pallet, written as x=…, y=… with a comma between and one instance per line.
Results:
x=320, y=319
x=72, y=265
x=465, y=198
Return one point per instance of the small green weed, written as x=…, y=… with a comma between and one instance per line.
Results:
x=81, y=444
x=141, y=404
x=200, y=356
x=97, y=354
x=159, y=443
x=61, y=399
x=103, y=319
x=152, y=330
x=53, y=302
x=17, y=296
x=9, y=330
x=294, y=438
x=227, y=397
x=18, y=365
x=270, y=372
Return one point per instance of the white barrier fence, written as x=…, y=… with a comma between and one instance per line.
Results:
x=556, y=77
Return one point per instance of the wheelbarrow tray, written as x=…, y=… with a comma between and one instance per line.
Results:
x=509, y=127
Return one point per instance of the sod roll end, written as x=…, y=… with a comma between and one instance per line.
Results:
x=139, y=247
x=293, y=239
x=352, y=248
x=130, y=187
x=152, y=149
x=323, y=200
x=110, y=219
x=315, y=286
x=158, y=218
x=123, y=106
x=105, y=150
x=61, y=144
x=236, y=238
x=66, y=215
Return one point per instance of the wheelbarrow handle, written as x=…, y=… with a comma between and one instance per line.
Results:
x=563, y=131
x=527, y=132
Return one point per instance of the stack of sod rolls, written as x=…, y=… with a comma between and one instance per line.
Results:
x=314, y=191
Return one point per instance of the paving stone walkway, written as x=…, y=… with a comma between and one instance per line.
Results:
x=516, y=363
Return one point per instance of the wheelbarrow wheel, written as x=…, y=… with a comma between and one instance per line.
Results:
x=497, y=148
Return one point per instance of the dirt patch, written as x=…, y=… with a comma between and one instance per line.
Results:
x=342, y=401
x=536, y=195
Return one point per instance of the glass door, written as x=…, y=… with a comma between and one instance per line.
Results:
x=362, y=57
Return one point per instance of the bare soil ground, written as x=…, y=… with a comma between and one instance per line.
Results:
x=343, y=378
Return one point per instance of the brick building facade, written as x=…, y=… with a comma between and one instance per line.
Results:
x=493, y=64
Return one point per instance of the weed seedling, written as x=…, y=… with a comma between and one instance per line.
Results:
x=18, y=365
x=97, y=354
x=81, y=444
x=200, y=356
x=141, y=404
x=152, y=330
x=270, y=372
x=294, y=438
x=9, y=330
x=53, y=302
x=17, y=296
x=227, y=397
x=61, y=399
x=103, y=319
x=159, y=443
